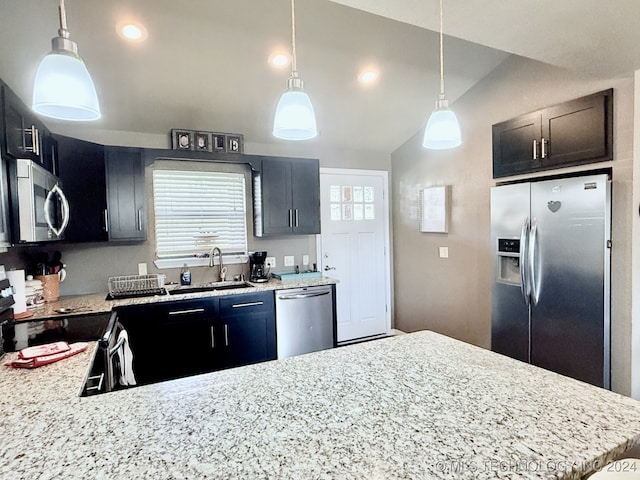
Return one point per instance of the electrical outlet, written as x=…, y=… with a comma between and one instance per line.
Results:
x=305, y=260
x=270, y=262
x=142, y=269
x=288, y=260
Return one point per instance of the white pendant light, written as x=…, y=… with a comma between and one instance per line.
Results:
x=294, y=118
x=63, y=88
x=443, y=129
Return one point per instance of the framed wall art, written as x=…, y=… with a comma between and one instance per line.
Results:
x=203, y=141
x=234, y=144
x=181, y=139
x=434, y=206
x=219, y=142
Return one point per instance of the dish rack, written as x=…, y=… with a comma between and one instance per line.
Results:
x=136, y=285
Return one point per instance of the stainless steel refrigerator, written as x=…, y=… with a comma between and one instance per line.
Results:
x=551, y=245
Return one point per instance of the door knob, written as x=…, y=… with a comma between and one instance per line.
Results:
x=327, y=268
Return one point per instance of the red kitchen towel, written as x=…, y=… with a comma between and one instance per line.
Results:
x=74, y=349
x=42, y=350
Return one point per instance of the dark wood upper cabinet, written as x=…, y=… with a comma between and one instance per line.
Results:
x=83, y=178
x=126, y=200
x=25, y=136
x=572, y=133
x=287, y=197
x=106, y=191
x=305, y=197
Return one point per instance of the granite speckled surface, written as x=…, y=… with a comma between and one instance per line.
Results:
x=418, y=406
x=80, y=305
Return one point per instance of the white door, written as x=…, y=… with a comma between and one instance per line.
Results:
x=353, y=248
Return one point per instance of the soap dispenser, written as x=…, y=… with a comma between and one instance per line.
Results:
x=185, y=275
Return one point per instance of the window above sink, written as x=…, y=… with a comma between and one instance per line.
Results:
x=198, y=206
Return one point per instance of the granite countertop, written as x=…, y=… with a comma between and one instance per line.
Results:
x=419, y=406
x=82, y=305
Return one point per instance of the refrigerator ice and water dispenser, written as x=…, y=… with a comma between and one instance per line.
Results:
x=509, y=261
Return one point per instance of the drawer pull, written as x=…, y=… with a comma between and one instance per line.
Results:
x=248, y=304
x=185, y=312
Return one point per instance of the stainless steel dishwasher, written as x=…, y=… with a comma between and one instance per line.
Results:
x=305, y=320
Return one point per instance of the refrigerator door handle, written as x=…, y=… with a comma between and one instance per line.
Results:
x=524, y=261
x=534, y=275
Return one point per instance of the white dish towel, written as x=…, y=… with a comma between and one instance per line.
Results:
x=126, y=361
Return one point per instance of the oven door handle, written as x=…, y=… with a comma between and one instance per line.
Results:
x=56, y=190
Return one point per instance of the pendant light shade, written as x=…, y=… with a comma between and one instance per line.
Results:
x=442, y=130
x=63, y=88
x=295, y=118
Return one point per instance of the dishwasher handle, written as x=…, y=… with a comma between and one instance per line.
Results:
x=297, y=296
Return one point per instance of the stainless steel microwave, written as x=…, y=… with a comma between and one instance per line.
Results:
x=43, y=210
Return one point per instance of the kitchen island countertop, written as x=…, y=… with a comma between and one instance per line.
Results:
x=96, y=303
x=419, y=406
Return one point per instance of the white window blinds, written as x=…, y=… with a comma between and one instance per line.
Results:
x=191, y=206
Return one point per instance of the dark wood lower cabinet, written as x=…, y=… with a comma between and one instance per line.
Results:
x=248, y=328
x=187, y=337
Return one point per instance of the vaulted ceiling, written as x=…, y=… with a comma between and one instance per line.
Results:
x=204, y=64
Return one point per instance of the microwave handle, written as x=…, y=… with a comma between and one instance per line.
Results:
x=56, y=190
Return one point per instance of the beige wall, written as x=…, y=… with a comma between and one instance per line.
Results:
x=453, y=295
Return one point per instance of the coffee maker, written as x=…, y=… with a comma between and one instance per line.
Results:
x=259, y=271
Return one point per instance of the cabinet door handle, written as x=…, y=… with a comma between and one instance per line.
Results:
x=213, y=338
x=248, y=304
x=226, y=335
x=296, y=216
x=535, y=149
x=33, y=131
x=290, y=217
x=140, y=219
x=542, y=147
x=185, y=312
x=106, y=220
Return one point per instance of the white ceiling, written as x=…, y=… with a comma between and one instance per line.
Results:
x=204, y=63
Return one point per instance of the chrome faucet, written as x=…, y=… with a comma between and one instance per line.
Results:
x=218, y=278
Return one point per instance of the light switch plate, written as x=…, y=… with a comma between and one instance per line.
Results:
x=305, y=260
x=142, y=269
x=288, y=260
x=270, y=262
x=444, y=252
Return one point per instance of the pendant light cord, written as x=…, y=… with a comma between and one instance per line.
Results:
x=63, y=32
x=294, y=66
x=441, y=55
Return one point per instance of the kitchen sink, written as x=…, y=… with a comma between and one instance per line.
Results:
x=208, y=287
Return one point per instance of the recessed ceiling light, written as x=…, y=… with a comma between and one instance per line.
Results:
x=279, y=60
x=132, y=31
x=368, y=77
